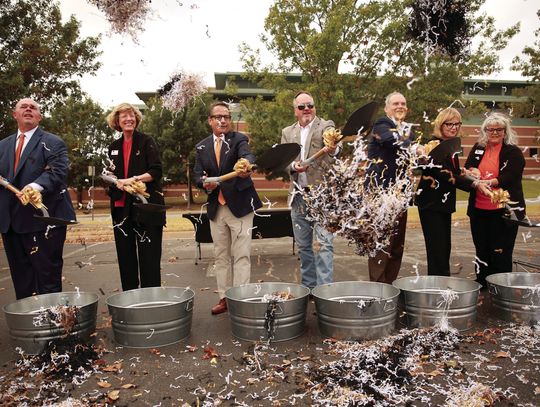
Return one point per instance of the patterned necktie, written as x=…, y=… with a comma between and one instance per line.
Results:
x=18, y=151
x=221, y=198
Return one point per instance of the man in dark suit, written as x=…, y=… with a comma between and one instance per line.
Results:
x=231, y=204
x=34, y=160
x=390, y=134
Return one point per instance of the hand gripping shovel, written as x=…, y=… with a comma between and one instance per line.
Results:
x=360, y=121
x=275, y=159
x=44, y=217
x=143, y=205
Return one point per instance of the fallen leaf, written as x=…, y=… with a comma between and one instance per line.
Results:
x=502, y=354
x=114, y=395
x=115, y=367
x=434, y=373
x=104, y=384
x=155, y=351
x=128, y=386
x=210, y=353
x=537, y=391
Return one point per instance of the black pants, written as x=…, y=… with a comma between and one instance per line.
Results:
x=35, y=260
x=438, y=238
x=384, y=268
x=494, y=241
x=138, y=248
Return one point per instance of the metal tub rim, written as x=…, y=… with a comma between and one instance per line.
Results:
x=399, y=283
x=494, y=278
x=6, y=307
x=150, y=317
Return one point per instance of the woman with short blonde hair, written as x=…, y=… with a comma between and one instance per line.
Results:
x=436, y=193
x=137, y=234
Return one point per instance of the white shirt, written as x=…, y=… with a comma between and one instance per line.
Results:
x=304, y=133
x=27, y=136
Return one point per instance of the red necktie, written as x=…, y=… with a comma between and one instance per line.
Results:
x=18, y=151
x=221, y=198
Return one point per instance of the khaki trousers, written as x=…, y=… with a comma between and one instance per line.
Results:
x=232, y=248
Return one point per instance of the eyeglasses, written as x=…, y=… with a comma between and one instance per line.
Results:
x=453, y=125
x=303, y=106
x=220, y=117
x=499, y=130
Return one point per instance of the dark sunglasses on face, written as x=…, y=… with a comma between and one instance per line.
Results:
x=303, y=106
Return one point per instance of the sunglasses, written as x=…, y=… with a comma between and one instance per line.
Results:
x=303, y=106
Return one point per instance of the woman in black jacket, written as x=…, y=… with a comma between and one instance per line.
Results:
x=496, y=162
x=137, y=233
x=436, y=193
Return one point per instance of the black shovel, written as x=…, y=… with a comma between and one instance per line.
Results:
x=359, y=123
x=275, y=159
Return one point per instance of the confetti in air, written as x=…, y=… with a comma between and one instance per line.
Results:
x=125, y=17
x=347, y=202
x=181, y=90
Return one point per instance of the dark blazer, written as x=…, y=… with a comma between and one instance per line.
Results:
x=443, y=197
x=239, y=193
x=382, y=146
x=144, y=158
x=45, y=162
x=511, y=166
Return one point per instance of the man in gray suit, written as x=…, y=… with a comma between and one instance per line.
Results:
x=34, y=160
x=316, y=265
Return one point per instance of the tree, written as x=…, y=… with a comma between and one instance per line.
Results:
x=81, y=124
x=176, y=135
x=529, y=65
x=41, y=57
x=374, y=42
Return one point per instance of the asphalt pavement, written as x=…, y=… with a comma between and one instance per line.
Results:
x=211, y=366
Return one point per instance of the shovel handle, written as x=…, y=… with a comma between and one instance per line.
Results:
x=5, y=183
x=315, y=156
x=226, y=177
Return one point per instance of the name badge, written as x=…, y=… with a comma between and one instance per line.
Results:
x=114, y=152
x=480, y=152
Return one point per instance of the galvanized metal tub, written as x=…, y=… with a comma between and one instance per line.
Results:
x=253, y=319
x=353, y=310
x=516, y=296
x=424, y=301
x=30, y=327
x=151, y=317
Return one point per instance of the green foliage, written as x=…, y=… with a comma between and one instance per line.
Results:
x=81, y=124
x=369, y=40
x=176, y=135
x=41, y=57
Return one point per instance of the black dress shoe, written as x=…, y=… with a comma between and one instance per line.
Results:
x=220, y=308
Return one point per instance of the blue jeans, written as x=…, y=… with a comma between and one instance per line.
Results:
x=316, y=266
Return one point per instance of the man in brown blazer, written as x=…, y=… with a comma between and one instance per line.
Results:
x=316, y=266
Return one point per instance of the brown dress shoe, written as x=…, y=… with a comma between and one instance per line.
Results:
x=220, y=307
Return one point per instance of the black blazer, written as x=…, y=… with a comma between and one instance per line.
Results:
x=44, y=161
x=239, y=193
x=440, y=196
x=144, y=158
x=511, y=166
x=382, y=146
